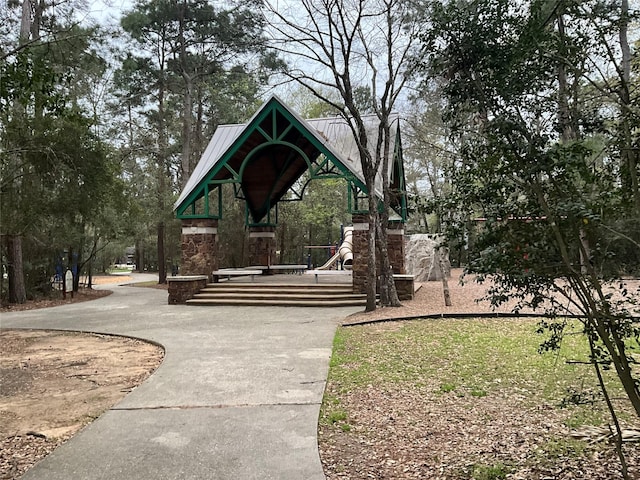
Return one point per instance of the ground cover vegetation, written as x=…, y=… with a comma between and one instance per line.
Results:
x=466, y=399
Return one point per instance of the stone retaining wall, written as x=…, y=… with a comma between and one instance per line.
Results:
x=184, y=287
x=404, y=286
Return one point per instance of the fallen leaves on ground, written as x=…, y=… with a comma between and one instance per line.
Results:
x=406, y=432
x=83, y=295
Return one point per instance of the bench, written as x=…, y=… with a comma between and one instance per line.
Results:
x=327, y=272
x=268, y=269
x=230, y=272
x=294, y=268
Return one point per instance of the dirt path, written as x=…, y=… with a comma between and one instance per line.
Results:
x=52, y=384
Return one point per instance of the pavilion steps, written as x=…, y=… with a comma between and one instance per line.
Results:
x=278, y=295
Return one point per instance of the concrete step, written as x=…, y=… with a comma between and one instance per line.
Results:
x=278, y=291
x=284, y=295
x=278, y=287
x=277, y=302
x=309, y=295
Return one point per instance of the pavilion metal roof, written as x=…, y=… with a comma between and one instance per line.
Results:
x=273, y=171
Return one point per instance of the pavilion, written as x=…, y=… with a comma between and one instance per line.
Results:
x=264, y=160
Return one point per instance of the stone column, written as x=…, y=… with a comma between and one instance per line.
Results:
x=360, y=247
x=262, y=245
x=395, y=247
x=199, y=246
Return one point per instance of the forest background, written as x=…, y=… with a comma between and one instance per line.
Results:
x=104, y=114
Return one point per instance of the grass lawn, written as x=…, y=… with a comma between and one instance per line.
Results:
x=464, y=399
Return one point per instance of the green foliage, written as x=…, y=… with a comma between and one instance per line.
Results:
x=315, y=220
x=59, y=178
x=217, y=50
x=447, y=387
x=232, y=243
x=337, y=416
x=192, y=66
x=562, y=448
x=23, y=77
x=543, y=165
x=332, y=414
x=478, y=393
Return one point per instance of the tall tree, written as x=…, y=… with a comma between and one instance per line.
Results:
x=542, y=164
x=342, y=46
x=429, y=157
x=55, y=171
x=189, y=52
x=150, y=28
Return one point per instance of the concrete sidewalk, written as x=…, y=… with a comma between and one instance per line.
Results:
x=237, y=396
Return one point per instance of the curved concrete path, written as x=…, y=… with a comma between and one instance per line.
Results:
x=237, y=396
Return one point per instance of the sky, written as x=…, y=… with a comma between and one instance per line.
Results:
x=108, y=11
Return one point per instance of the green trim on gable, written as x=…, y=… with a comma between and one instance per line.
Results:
x=283, y=122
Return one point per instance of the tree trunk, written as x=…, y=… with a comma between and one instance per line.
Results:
x=187, y=100
x=198, y=142
x=619, y=358
x=138, y=257
x=569, y=132
x=17, y=291
x=162, y=269
x=629, y=155
x=37, y=19
x=283, y=246
x=565, y=120
x=388, y=293
x=187, y=109
x=25, y=23
x=2, y=266
x=371, y=263
x=445, y=281
x=585, y=252
x=162, y=177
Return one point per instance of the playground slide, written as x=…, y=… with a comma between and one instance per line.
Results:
x=330, y=262
x=345, y=252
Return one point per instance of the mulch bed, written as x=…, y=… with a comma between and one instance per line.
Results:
x=83, y=295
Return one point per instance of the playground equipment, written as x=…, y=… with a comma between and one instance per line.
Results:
x=345, y=252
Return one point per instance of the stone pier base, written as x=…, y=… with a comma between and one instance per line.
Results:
x=262, y=245
x=360, y=247
x=404, y=286
x=199, y=246
x=395, y=248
